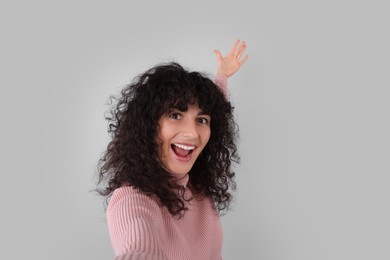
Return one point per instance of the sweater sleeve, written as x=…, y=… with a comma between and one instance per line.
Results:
x=222, y=83
x=131, y=223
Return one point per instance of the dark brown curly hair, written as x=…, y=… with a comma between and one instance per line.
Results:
x=132, y=156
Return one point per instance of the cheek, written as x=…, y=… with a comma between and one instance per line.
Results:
x=161, y=132
x=206, y=136
x=160, y=139
x=164, y=135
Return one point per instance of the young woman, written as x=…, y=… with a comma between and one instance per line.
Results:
x=167, y=168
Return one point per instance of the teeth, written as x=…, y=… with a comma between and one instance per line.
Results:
x=185, y=147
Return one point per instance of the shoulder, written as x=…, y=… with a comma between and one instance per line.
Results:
x=130, y=198
x=133, y=219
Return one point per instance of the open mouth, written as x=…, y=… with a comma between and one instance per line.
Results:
x=182, y=150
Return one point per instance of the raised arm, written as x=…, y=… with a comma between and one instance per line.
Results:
x=229, y=64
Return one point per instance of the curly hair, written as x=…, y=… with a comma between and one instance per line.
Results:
x=131, y=157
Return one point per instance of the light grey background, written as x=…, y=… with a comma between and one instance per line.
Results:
x=312, y=103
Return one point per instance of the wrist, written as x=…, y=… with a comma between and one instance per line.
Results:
x=221, y=75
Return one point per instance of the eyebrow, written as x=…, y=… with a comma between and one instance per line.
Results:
x=200, y=113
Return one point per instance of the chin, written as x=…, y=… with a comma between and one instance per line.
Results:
x=179, y=165
x=179, y=169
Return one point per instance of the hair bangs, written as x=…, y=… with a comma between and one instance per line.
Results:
x=180, y=97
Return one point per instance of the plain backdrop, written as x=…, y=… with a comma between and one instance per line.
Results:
x=312, y=103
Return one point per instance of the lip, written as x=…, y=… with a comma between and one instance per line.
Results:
x=186, y=144
x=180, y=158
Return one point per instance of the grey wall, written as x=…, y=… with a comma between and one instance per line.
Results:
x=311, y=102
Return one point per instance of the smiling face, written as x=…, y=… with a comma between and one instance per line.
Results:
x=182, y=137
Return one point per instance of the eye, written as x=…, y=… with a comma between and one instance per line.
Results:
x=175, y=115
x=203, y=120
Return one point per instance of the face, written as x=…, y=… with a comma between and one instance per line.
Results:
x=182, y=136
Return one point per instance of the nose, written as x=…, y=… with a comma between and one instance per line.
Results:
x=189, y=129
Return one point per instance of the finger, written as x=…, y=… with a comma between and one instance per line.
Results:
x=218, y=54
x=239, y=48
x=244, y=60
x=241, y=51
x=232, y=50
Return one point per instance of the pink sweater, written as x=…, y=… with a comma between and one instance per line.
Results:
x=221, y=81
x=140, y=228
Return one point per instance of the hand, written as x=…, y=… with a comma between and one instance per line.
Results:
x=231, y=63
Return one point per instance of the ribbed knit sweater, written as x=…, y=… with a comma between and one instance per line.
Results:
x=141, y=228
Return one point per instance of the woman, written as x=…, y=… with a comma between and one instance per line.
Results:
x=168, y=166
